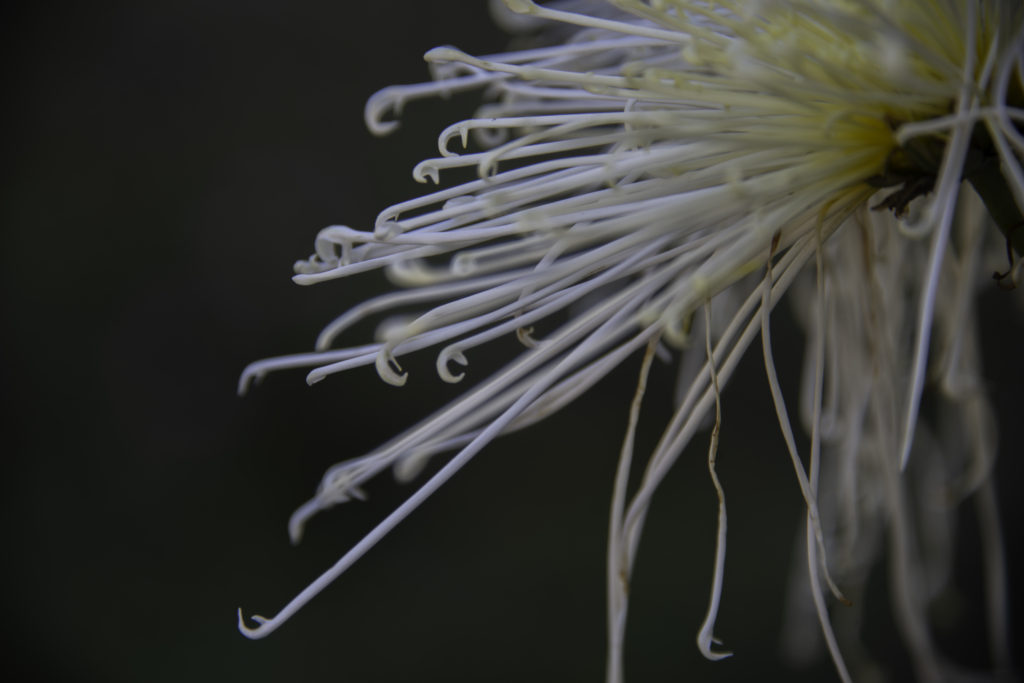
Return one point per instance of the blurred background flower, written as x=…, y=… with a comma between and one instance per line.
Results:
x=165, y=163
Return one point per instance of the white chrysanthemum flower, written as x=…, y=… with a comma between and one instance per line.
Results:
x=662, y=172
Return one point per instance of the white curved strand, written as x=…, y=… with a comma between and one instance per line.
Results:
x=572, y=333
x=554, y=123
x=583, y=177
x=532, y=143
x=954, y=380
x=533, y=146
x=476, y=407
x=819, y=605
x=553, y=400
x=542, y=304
x=574, y=49
x=582, y=171
x=488, y=161
x=574, y=386
x=785, y=426
x=533, y=9
x=778, y=123
x=697, y=402
x=267, y=626
x=1003, y=112
x=255, y=372
x=432, y=329
x=393, y=99
x=649, y=222
x=435, y=330
x=581, y=235
x=386, y=219
x=686, y=420
x=815, y=534
x=516, y=107
x=816, y=559
x=450, y=54
x=406, y=297
x=539, y=92
x=309, y=273
x=714, y=272
x=741, y=324
x=944, y=124
x=617, y=576
x=523, y=313
x=562, y=273
x=939, y=212
x=698, y=399
x=549, y=403
x=816, y=401
x=557, y=340
x=705, y=635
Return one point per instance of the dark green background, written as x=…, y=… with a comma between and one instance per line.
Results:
x=164, y=164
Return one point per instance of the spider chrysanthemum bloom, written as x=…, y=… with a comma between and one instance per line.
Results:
x=658, y=174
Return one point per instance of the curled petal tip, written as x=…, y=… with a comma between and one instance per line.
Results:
x=704, y=645
x=451, y=355
x=426, y=170
x=248, y=631
x=381, y=103
x=389, y=369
